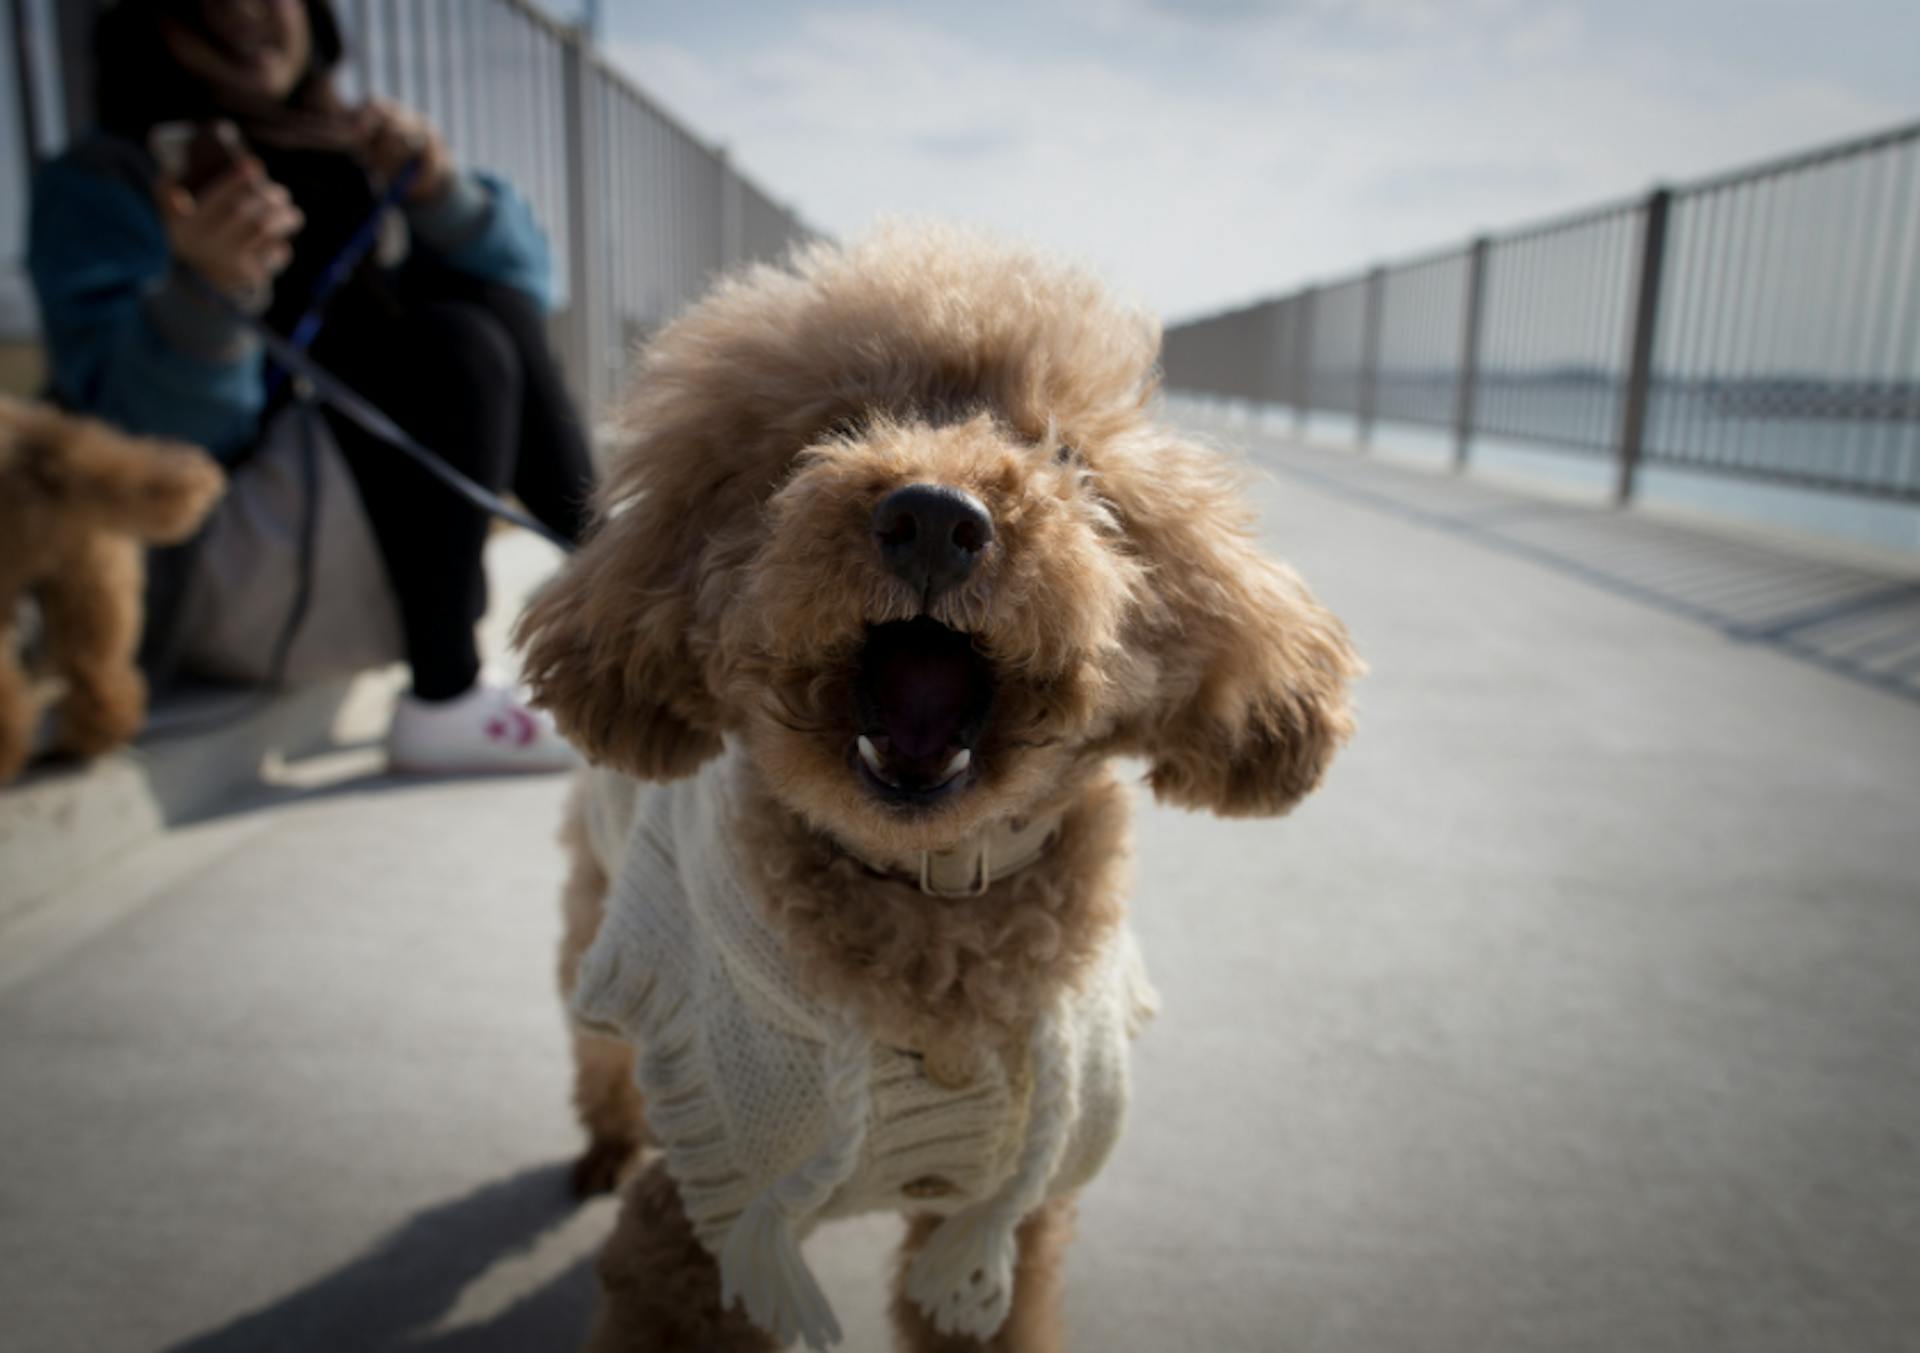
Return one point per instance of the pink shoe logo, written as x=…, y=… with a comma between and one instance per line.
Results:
x=515, y=727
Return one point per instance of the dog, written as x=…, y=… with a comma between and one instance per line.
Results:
x=894, y=561
x=79, y=502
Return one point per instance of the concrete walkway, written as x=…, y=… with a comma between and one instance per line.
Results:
x=1578, y=1012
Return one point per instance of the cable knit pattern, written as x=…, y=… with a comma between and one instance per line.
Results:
x=963, y=1277
x=776, y=1112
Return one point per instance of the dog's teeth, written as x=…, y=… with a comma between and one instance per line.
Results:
x=961, y=760
x=869, y=754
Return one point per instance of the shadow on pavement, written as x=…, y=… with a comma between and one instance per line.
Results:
x=393, y=1297
x=372, y=779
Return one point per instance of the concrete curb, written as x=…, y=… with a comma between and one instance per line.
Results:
x=61, y=822
x=205, y=748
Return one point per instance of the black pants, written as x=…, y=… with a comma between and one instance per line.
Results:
x=464, y=366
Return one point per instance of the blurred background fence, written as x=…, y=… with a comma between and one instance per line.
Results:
x=1762, y=323
x=640, y=211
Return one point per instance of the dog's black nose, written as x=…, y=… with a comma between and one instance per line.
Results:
x=930, y=535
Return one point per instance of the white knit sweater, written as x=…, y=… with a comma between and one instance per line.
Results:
x=776, y=1111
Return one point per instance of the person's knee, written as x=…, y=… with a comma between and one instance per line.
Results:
x=523, y=317
x=462, y=390
x=471, y=357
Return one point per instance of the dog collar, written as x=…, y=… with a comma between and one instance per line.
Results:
x=976, y=864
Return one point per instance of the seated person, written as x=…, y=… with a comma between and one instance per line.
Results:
x=442, y=326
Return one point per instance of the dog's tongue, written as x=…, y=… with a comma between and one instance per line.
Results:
x=924, y=689
x=922, y=700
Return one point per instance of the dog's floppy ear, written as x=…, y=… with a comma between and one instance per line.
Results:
x=610, y=646
x=1252, y=701
x=626, y=647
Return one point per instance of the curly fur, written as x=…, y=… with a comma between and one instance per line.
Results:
x=731, y=579
x=945, y=973
x=78, y=503
x=660, y=1290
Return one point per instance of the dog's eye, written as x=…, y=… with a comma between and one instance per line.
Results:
x=1069, y=455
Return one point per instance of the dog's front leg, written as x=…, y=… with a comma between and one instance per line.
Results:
x=1032, y=1326
x=18, y=709
x=659, y=1288
x=92, y=614
x=604, y=1096
x=609, y=1107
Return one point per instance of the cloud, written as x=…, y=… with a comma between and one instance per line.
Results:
x=966, y=143
x=1430, y=184
x=1203, y=164
x=1221, y=11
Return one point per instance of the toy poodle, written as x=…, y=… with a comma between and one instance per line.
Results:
x=892, y=563
x=79, y=502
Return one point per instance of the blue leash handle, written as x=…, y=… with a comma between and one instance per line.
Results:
x=350, y=256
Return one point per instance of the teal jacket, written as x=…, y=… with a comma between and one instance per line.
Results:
x=130, y=342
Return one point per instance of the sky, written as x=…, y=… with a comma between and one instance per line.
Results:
x=1205, y=153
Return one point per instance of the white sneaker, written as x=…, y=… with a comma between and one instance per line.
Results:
x=487, y=731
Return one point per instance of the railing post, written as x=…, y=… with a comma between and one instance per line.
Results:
x=584, y=294
x=1646, y=315
x=1303, y=362
x=25, y=48
x=1368, y=394
x=396, y=73
x=73, y=50
x=1271, y=389
x=733, y=246
x=52, y=74
x=362, y=46
x=1469, y=352
x=1250, y=349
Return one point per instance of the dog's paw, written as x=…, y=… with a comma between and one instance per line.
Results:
x=603, y=1165
x=963, y=1279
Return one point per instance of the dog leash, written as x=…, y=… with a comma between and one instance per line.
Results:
x=350, y=404
x=291, y=359
x=329, y=389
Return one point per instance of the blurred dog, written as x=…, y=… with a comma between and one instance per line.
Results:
x=894, y=560
x=79, y=503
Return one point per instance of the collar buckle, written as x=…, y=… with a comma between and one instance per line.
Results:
x=982, y=875
x=995, y=854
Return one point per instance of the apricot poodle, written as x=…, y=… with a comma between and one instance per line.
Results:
x=79, y=502
x=893, y=562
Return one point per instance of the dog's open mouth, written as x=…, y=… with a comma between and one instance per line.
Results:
x=921, y=702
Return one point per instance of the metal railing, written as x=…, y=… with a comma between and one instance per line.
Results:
x=1764, y=322
x=641, y=213
x=28, y=128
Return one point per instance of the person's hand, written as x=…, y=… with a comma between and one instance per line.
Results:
x=392, y=136
x=235, y=232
